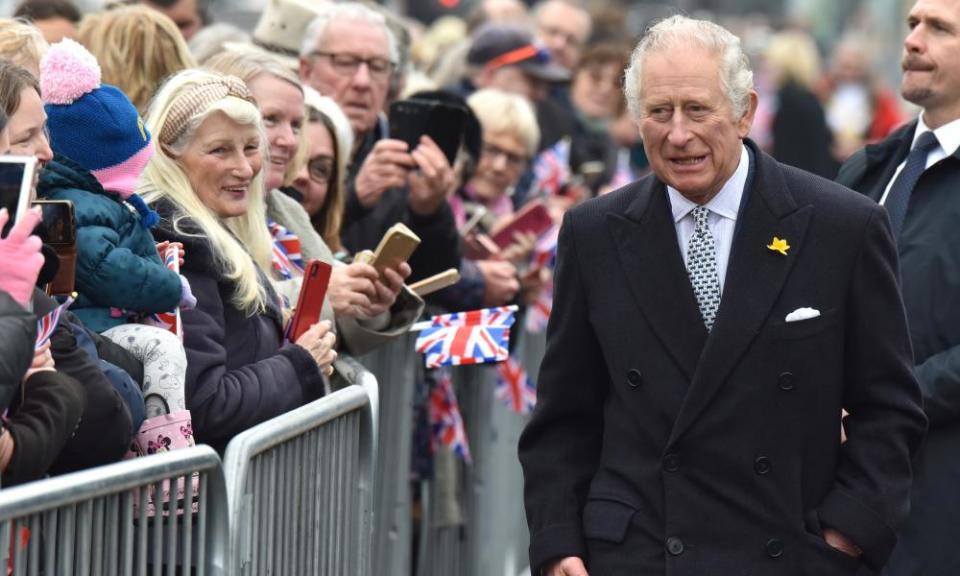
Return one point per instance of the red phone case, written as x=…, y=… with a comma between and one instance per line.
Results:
x=534, y=217
x=316, y=277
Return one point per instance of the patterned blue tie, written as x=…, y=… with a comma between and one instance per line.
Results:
x=898, y=199
x=702, y=267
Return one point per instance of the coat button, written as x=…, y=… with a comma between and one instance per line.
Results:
x=786, y=381
x=674, y=546
x=671, y=462
x=762, y=465
x=774, y=548
x=633, y=377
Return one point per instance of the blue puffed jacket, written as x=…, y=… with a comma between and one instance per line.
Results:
x=118, y=267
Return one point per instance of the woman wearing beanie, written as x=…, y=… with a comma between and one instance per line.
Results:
x=101, y=146
x=371, y=309
x=206, y=183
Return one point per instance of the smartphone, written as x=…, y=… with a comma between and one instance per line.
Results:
x=443, y=122
x=16, y=186
x=396, y=246
x=534, y=217
x=58, y=227
x=316, y=278
x=436, y=282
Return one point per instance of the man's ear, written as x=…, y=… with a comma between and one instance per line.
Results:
x=306, y=66
x=746, y=121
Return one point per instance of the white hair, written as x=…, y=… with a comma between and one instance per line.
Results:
x=164, y=177
x=501, y=112
x=736, y=77
x=330, y=12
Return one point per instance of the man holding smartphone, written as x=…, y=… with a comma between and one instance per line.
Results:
x=350, y=54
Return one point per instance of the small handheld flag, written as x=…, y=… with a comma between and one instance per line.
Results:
x=170, y=320
x=514, y=387
x=446, y=422
x=48, y=322
x=465, y=338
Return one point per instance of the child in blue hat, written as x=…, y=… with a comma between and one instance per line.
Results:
x=101, y=147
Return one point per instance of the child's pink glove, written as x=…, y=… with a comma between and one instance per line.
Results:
x=20, y=256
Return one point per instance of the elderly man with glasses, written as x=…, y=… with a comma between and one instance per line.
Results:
x=349, y=54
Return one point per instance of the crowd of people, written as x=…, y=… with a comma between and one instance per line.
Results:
x=247, y=155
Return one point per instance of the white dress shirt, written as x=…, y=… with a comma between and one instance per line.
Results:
x=723, y=215
x=947, y=135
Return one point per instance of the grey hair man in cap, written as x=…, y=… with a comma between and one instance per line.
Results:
x=507, y=57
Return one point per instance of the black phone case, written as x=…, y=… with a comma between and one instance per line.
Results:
x=444, y=123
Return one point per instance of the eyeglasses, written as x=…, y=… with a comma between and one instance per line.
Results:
x=493, y=151
x=321, y=169
x=348, y=64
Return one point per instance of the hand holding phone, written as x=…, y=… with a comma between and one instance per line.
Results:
x=319, y=341
x=533, y=217
x=397, y=245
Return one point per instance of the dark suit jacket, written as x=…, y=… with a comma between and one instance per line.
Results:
x=930, y=270
x=656, y=448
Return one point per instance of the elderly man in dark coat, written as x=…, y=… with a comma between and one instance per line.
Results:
x=710, y=323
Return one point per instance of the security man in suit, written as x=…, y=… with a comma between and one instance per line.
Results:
x=710, y=323
x=915, y=175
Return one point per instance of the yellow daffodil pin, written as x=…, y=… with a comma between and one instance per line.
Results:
x=779, y=245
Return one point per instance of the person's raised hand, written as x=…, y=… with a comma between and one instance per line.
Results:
x=42, y=362
x=434, y=180
x=162, y=249
x=386, y=166
x=21, y=256
x=500, y=282
x=352, y=288
x=387, y=287
x=319, y=341
x=569, y=566
x=521, y=248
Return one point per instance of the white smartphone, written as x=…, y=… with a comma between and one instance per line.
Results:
x=17, y=175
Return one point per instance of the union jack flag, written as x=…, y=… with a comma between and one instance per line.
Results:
x=170, y=320
x=465, y=338
x=446, y=423
x=287, y=259
x=515, y=388
x=544, y=256
x=538, y=313
x=551, y=169
x=48, y=323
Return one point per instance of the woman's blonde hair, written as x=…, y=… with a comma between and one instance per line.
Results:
x=793, y=57
x=248, y=63
x=137, y=48
x=498, y=111
x=164, y=177
x=22, y=44
x=324, y=110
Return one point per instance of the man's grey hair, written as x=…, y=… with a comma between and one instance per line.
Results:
x=736, y=77
x=330, y=12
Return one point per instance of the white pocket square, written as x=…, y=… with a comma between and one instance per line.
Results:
x=802, y=314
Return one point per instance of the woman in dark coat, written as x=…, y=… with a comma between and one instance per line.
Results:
x=204, y=182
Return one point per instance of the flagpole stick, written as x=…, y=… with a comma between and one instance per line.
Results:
x=419, y=326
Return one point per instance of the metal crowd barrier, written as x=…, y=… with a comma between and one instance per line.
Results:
x=491, y=535
x=395, y=366
x=95, y=522
x=300, y=486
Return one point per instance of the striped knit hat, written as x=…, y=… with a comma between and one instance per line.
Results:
x=93, y=124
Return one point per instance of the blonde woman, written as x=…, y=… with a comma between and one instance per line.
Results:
x=370, y=308
x=205, y=182
x=137, y=48
x=22, y=44
x=801, y=136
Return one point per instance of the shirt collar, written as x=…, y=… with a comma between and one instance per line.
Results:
x=726, y=203
x=948, y=135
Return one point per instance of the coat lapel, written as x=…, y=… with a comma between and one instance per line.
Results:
x=651, y=261
x=755, y=278
x=883, y=158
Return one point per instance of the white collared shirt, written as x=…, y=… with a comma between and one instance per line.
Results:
x=723, y=215
x=947, y=135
